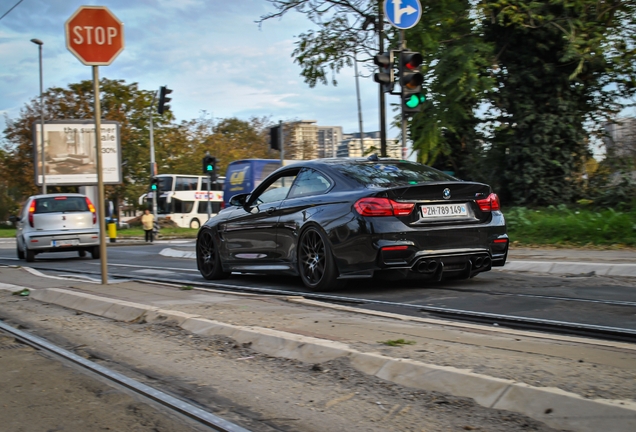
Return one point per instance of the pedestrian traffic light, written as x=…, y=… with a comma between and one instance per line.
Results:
x=385, y=75
x=163, y=99
x=209, y=166
x=154, y=184
x=411, y=80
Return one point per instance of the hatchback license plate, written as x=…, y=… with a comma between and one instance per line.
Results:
x=444, y=210
x=62, y=243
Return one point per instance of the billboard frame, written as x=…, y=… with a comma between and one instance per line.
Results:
x=84, y=164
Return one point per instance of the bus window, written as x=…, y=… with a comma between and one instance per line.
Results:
x=203, y=207
x=165, y=183
x=186, y=183
x=182, y=206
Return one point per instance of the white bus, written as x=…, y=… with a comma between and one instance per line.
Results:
x=183, y=199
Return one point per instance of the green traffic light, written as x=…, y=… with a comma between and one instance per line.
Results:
x=210, y=168
x=415, y=100
x=153, y=187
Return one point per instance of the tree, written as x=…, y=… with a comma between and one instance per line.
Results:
x=120, y=102
x=558, y=65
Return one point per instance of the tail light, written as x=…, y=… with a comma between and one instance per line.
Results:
x=31, y=211
x=91, y=207
x=489, y=204
x=382, y=207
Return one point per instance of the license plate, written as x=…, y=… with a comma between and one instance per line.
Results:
x=62, y=243
x=444, y=210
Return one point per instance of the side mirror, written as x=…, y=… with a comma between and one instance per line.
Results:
x=239, y=200
x=13, y=218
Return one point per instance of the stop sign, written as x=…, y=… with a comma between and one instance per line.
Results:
x=94, y=35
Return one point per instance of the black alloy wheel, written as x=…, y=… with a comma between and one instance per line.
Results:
x=208, y=259
x=315, y=261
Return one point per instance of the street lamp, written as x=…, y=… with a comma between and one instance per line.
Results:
x=39, y=43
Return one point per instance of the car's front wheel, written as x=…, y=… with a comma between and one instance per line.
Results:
x=208, y=259
x=315, y=261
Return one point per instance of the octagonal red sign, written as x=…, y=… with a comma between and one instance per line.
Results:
x=94, y=35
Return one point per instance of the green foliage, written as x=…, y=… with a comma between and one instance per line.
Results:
x=564, y=226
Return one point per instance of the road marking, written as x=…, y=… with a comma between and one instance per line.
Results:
x=149, y=267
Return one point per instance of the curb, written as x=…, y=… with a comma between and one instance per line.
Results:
x=556, y=408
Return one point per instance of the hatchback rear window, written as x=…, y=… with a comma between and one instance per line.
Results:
x=382, y=174
x=61, y=204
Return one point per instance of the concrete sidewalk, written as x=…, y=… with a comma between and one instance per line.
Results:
x=552, y=379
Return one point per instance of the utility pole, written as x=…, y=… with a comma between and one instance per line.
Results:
x=355, y=65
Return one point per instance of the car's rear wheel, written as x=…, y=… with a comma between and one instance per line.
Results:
x=195, y=224
x=19, y=251
x=208, y=259
x=30, y=255
x=315, y=261
x=95, y=253
x=81, y=253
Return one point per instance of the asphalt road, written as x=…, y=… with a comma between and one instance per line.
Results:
x=588, y=298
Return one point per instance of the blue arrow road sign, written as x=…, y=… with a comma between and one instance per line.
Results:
x=403, y=14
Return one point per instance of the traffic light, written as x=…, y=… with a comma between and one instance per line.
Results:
x=411, y=80
x=154, y=184
x=163, y=99
x=209, y=166
x=274, y=137
x=385, y=76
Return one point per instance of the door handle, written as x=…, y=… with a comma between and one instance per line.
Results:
x=271, y=210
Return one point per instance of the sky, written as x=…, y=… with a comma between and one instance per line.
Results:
x=214, y=56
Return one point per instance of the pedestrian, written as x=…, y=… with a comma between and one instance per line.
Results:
x=148, y=222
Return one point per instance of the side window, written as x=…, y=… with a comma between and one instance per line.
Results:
x=214, y=205
x=310, y=182
x=186, y=183
x=183, y=206
x=277, y=189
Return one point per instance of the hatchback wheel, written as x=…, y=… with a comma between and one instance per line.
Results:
x=95, y=253
x=30, y=255
x=19, y=251
x=315, y=261
x=208, y=259
x=81, y=253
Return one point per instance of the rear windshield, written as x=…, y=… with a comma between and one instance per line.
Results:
x=382, y=174
x=61, y=204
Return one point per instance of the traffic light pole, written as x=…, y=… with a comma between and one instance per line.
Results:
x=153, y=168
x=382, y=98
x=404, y=121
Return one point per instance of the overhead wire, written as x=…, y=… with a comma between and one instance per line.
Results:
x=14, y=6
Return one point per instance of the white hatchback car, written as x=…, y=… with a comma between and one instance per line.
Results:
x=57, y=223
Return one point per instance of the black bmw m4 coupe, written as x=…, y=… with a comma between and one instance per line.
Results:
x=331, y=220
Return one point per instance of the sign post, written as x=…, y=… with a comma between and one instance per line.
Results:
x=95, y=36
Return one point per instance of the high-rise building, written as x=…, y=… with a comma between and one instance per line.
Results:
x=329, y=138
x=371, y=143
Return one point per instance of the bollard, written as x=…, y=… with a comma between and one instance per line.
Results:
x=112, y=231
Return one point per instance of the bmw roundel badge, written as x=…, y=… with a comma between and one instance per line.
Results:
x=446, y=193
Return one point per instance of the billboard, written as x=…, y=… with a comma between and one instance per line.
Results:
x=70, y=158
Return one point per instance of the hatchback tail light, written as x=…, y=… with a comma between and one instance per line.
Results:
x=382, y=207
x=31, y=211
x=91, y=207
x=489, y=204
